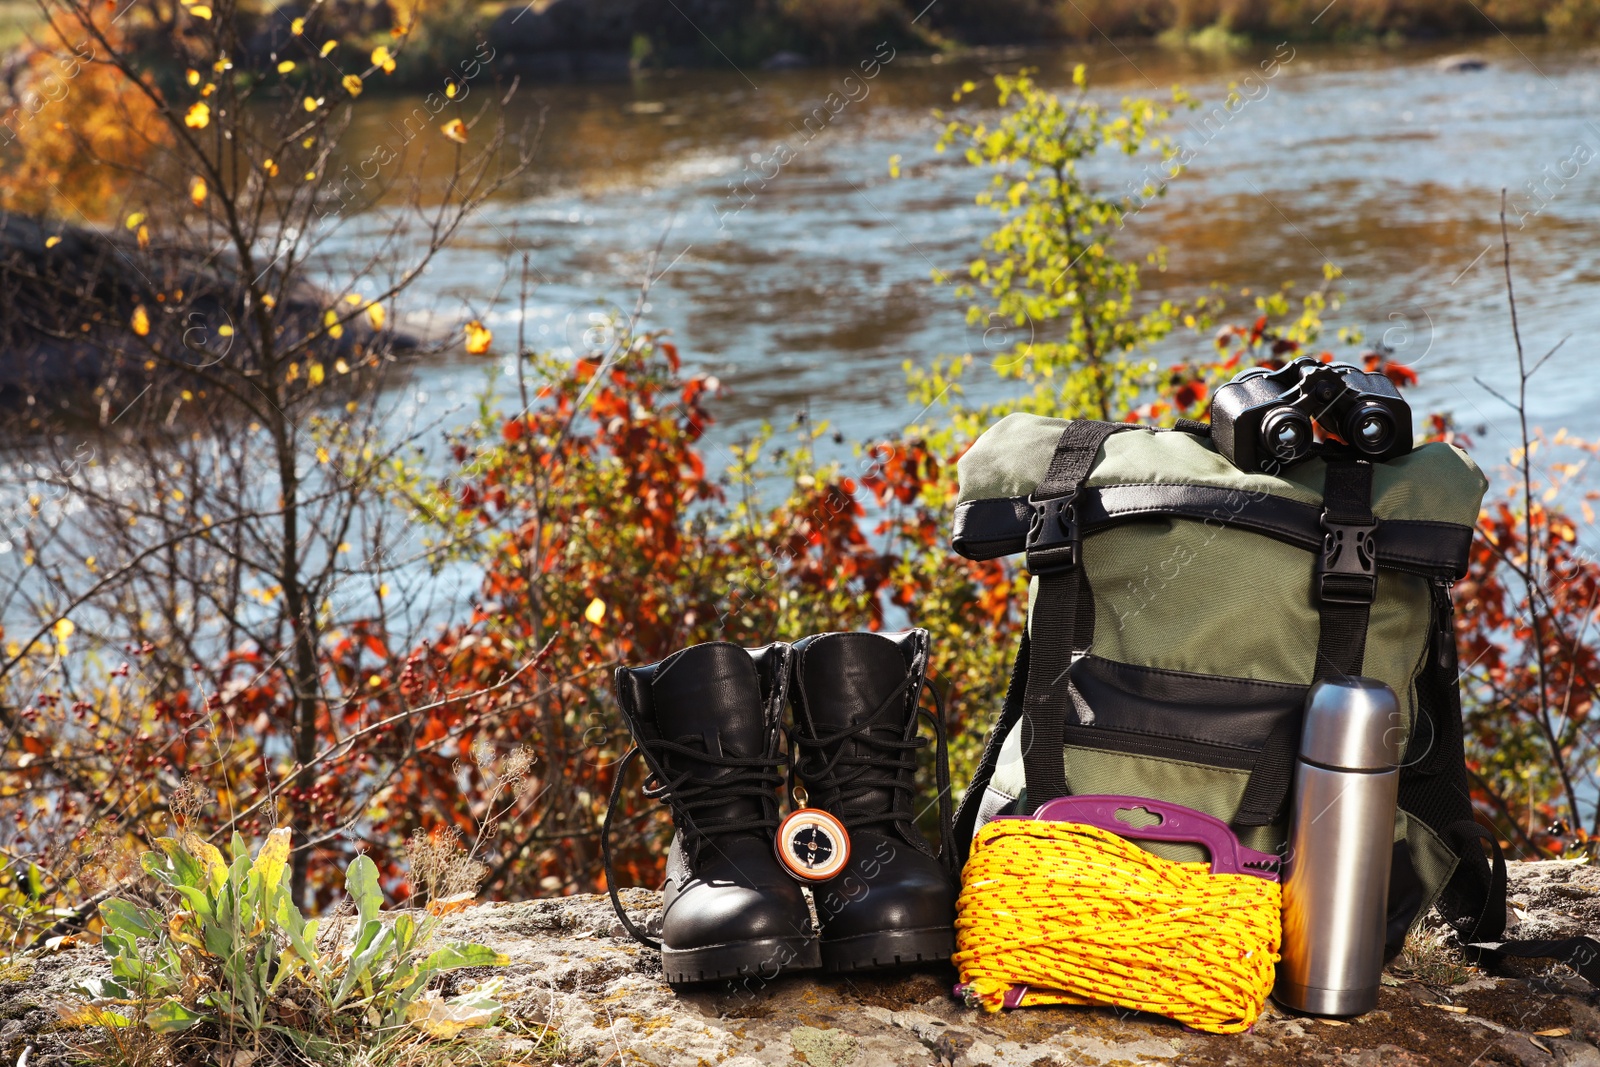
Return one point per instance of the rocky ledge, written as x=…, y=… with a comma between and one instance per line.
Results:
x=593, y=997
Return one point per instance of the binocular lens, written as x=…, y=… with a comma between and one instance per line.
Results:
x=1370, y=428
x=1286, y=433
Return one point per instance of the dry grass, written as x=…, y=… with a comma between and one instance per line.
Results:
x=1431, y=959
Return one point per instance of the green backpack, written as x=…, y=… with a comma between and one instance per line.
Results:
x=1179, y=610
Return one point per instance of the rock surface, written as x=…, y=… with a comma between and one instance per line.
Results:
x=601, y=997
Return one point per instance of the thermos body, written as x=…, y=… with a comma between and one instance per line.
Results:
x=1336, y=887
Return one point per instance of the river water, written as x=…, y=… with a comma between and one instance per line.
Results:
x=815, y=291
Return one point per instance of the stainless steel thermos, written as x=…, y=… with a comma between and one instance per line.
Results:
x=1336, y=886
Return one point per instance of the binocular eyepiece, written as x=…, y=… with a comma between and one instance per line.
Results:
x=1266, y=419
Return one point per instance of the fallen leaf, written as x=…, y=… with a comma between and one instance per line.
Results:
x=1559, y=1031
x=450, y=905
x=456, y=130
x=1454, y=1009
x=445, y=1019
x=479, y=337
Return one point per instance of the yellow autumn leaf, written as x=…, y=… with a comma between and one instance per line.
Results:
x=199, y=116
x=51, y=242
x=63, y=629
x=450, y=90
x=596, y=611
x=200, y=11
x=273, y=860
x=353, y=299
x=197, y=191
x=316, y=374
x=328, y=46
x=443, y=1020
x=297, y=27
x=352, y=84
x=322, y=455
x=224, y=330
x=312, y=104
x=193, y=76
x=331, y=321
x=383, y=59
x=375, y=315
x=294, y=373
x=141, y=321
x=271, y=168
x=479, y=338
x=456, y=130
x=341, y=366
x=134, y=220
x=209, y=855
x=143, y=236
x=286, y=66
x=311, y=175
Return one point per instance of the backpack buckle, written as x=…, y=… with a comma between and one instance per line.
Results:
x=1348, y=570
x=1053, y=544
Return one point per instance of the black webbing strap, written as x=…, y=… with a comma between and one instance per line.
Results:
x=1063, y=612
x=1268, y=788
x=1482, y=937
x=1345, y=585
x=1346, y=579
x=1010, y=713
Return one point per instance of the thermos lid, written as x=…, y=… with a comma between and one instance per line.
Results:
x=1352, y=724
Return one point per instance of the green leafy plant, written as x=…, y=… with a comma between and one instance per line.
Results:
x=233, y=953
x=1050, y=274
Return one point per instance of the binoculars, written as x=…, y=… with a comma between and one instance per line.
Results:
x=1267, y=419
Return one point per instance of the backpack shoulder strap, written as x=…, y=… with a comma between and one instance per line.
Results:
x=1062, y=624
x=1434, y=788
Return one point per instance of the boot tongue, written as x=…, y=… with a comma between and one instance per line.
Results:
x=847, y=677
x=710, y=695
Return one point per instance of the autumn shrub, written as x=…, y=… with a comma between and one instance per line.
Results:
x=74, y=133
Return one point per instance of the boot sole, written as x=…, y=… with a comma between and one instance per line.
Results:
x=889, y=948
x=763, y=959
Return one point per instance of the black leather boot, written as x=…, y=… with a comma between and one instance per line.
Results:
x=708, y=722
x=855, y=699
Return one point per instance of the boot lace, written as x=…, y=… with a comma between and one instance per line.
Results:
x=688, y=793
x=851, y=779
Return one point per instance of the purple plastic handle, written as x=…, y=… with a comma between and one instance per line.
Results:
x=1177, y=823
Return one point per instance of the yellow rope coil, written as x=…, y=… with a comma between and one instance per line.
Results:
x=1081, y=916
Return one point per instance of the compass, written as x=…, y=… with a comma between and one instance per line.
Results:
x=812, y=845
